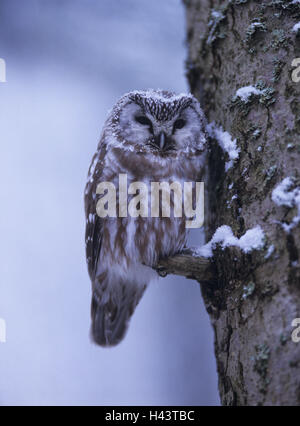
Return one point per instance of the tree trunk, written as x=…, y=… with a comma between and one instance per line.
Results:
x=254, y=296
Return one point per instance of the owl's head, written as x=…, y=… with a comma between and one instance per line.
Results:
x=159, y=122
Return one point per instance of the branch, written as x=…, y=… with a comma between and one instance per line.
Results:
x=187, y=265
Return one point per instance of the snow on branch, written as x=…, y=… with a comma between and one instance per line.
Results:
x=253, y=239
x=198, y=263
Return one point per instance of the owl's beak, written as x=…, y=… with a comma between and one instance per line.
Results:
x=162, y=141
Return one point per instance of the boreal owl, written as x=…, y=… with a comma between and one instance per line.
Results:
x=149, y=136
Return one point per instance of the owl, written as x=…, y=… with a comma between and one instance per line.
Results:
x=149, y=136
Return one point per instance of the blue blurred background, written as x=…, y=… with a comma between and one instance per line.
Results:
x=68, y=61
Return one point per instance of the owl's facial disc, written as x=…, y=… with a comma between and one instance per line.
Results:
x=177, y=133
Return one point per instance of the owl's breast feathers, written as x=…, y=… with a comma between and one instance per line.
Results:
x=121, y=251
x=130, y=240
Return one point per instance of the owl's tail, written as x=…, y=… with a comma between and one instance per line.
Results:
x=110, y=320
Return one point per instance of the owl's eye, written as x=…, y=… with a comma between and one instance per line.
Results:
x=143, y=120
x=179, y=124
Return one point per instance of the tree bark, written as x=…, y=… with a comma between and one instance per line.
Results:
x=251, y=298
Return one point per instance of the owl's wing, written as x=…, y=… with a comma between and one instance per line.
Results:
x=93, y=230
x=93, y=237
